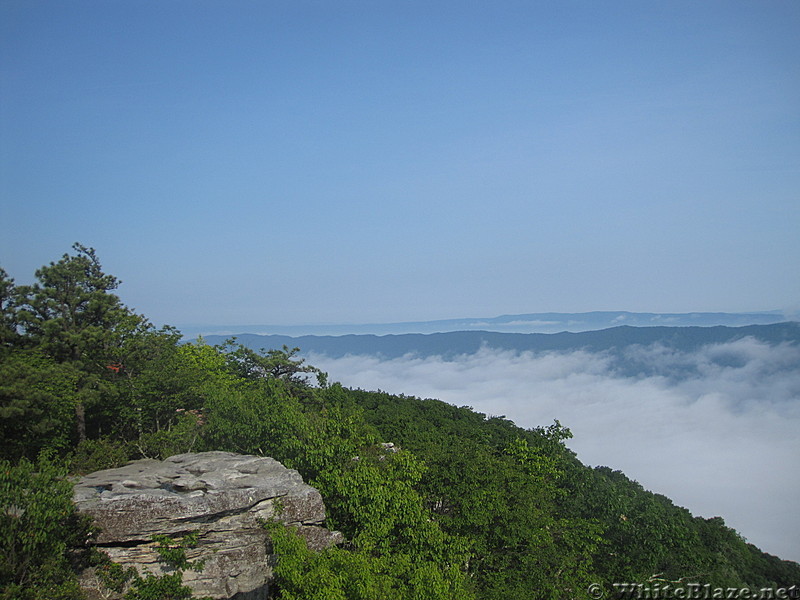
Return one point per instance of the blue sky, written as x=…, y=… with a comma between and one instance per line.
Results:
x=309, y=162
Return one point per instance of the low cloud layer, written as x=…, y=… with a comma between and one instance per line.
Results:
x=715, y=430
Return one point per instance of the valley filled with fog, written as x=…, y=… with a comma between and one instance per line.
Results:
x=714, y=429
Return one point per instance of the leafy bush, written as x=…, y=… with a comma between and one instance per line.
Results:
x=351, y=574
x=96, y=455
x=180, y=437
x=42, y=537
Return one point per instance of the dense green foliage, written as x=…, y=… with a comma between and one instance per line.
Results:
x=596, y=520
x=457, y=506
x=42, y=538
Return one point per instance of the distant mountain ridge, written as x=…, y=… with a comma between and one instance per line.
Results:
x=547, y=322
x=454, y=343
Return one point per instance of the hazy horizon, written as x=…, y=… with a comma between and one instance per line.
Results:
x=549, y=322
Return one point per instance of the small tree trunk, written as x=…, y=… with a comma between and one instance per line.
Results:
x=80, y=421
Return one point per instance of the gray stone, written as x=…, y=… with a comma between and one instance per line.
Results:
x=220, y=495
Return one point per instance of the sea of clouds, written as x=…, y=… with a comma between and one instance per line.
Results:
x=716, y=430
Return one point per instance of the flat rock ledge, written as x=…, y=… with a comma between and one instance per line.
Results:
x=220, y=495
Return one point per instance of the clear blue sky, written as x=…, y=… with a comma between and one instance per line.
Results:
x=303, y=162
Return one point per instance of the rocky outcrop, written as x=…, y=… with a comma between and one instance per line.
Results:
x=221, y=496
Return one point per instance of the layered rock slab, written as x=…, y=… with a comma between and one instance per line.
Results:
x=220, y=495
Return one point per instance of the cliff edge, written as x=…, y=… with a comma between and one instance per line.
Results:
x=219, y=495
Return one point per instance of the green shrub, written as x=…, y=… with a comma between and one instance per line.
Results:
x=95, y=455
x=352, y=574
x=179, y=438
x=42, y=537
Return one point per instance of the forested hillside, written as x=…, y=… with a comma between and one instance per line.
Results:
x=436, y=502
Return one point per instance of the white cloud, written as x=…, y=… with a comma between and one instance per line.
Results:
x=720, y=439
